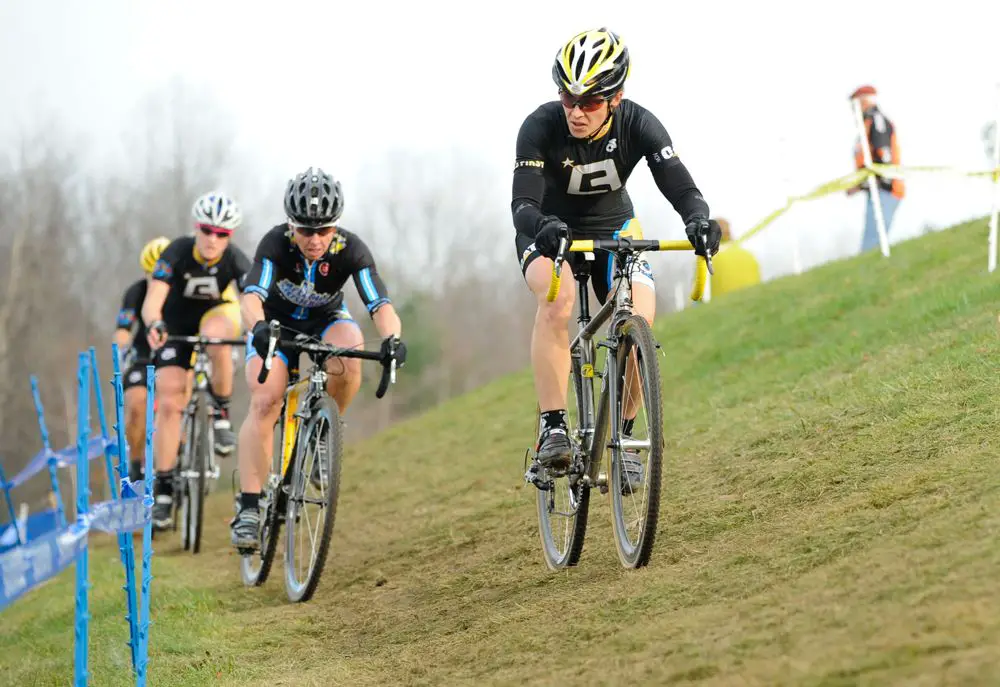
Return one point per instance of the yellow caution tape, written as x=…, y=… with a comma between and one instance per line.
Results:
x=857, y=178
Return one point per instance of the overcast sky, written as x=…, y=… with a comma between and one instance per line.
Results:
x=753, y=94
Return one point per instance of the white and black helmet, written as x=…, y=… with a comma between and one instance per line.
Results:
x=216, y=209
x=314, y=198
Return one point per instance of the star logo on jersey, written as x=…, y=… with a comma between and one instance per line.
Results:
x=567, y=162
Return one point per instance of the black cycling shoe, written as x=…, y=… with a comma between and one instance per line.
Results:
x=554, y=449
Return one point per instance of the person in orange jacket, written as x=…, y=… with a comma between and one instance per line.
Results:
x=885, y=150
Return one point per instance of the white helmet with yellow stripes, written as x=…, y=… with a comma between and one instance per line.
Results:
x=594, y=62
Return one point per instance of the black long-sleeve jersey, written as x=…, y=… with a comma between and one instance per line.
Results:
x=196, y=285
x=130, y=318
x=582, y=181
x=296, y=290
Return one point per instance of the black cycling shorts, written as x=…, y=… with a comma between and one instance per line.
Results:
x=600, y=262
x=135, y=375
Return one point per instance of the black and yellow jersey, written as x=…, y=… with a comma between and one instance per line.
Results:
x=196, y=285
x=582, y=181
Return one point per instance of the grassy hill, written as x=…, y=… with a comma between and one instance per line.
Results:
x=829, y=517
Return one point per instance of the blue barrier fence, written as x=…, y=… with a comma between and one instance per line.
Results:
x=37, y=548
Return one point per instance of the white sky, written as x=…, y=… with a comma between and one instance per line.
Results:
x=753, y=94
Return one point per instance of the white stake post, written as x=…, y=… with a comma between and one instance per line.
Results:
x=992, y=260
x=876, y=199
x=679, y=300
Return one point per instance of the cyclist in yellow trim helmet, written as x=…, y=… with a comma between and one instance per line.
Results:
x=573, y=158
x=130, y=335
x=151, y=253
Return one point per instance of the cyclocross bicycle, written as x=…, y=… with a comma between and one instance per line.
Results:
x=302, y=487
x=630, y=389
x=196, y=462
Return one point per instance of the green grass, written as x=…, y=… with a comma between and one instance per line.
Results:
x=829, y=517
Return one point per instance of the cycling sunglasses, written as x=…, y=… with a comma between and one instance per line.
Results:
x=209, y=230
x=587, y=103
x=324, y=230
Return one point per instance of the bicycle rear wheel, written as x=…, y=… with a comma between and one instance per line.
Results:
x=563, y=502
x=636, y=459
x=312, y=499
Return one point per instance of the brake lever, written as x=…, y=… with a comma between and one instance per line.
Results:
x=275, y=330
x=704, y=247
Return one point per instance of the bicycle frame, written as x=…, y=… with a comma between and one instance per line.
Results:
x=298, y=397
x=594, y=421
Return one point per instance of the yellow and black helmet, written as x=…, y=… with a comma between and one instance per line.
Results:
x=151, y=253
x=594, y=62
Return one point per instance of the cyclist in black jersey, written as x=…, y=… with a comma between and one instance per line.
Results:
x=297, y=278
x=573, y=157
x=130, y=335
x=185, y=298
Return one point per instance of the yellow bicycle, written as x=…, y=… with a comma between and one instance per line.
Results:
x=304, y=483
x=626, y=422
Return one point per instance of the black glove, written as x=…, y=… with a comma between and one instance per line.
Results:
x=261, y=337
x=710, y=229
x=547, y=238
x=392, y=347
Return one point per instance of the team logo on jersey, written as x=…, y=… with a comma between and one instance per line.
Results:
x=529, y=163
x=338, y=243
x=665, y=154
x=126, y=318
x=135, y=376
x=567, y=162
x=596, y=177
x=324, y=268
x=162, y=270
x=203, y=288
x=303, y=294
x=612, y=145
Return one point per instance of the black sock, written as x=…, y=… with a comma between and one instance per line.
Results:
x=249, y=500
x=222, y=403
x=627, y=426
x=551, y=419
x=164, y=483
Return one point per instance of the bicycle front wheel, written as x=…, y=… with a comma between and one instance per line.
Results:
x=201, y=448
x=563, y=501
x=636, y=457
x=312, y=500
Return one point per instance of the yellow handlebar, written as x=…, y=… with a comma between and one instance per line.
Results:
x=700, y=278
x=587, y=246
x=553, y=285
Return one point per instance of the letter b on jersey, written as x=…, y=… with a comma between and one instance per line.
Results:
x=596, y=177
x=206, y=288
